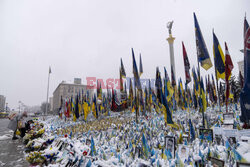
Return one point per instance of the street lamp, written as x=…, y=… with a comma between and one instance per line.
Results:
x=6, y=107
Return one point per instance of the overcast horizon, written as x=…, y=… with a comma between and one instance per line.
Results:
x=87, y=38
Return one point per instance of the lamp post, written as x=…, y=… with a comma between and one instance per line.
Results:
x=46, y=110
x=6, y=109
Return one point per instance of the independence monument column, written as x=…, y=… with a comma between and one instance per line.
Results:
x=170, y=40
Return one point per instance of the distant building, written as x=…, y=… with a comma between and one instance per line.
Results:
x=2, y=103
x=77, y=81
x=241, y=67
x=66, y=90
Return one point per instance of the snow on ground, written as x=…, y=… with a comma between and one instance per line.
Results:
x=120, y=141
x=5, y=137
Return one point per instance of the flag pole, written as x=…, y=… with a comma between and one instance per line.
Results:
x=199, y=80
x=46, y=110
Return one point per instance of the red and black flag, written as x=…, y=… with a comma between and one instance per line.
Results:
x=186, y=64
x=228, y=69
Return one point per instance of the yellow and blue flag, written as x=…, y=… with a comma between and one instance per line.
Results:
x=203, y=96
x=166, y=110
x=219, y=58
x=93, y=150
x=191, y=130
x=145, y=147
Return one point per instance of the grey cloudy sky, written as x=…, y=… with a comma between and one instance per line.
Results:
x=81, y=38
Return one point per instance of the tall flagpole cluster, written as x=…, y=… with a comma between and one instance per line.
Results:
x=170, y=135
x=169, y=94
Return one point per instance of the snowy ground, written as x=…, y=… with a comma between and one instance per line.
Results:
x=11, y=152
x=119, y=141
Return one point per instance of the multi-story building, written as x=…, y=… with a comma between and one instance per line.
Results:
x=2, y=103
x=68, y=90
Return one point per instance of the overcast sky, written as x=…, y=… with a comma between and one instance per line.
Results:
x=87, y=38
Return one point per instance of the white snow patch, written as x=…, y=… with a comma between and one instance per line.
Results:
x=5, y=137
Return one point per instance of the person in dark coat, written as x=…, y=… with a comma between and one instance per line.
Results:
x=13, y=125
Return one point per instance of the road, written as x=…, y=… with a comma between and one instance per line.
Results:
x=11, y=152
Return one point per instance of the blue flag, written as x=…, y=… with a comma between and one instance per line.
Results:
x=219, y=58
x=191, y=128
x=135, y=71
x=89, y=164
x=202, y=53
x=93, y=150
x=76, y=107
x=123, y=73
x=145, y=146
x=245, y=93
x=167, y=112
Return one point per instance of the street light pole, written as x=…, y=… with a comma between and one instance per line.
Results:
x=46, y=110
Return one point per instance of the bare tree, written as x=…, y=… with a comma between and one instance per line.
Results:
x=43, y=107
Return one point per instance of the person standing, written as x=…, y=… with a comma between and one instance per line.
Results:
x=14, y=120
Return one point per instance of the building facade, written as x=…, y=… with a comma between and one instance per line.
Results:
x=2, y=103
x=68, y=90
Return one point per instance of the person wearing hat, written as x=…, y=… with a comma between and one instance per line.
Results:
x=14, y=119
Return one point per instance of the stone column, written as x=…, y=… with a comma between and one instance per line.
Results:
x=170, y=40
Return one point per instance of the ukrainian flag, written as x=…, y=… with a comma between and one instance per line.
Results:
x=203, y=96
x=219, y=58
x=86, y=110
